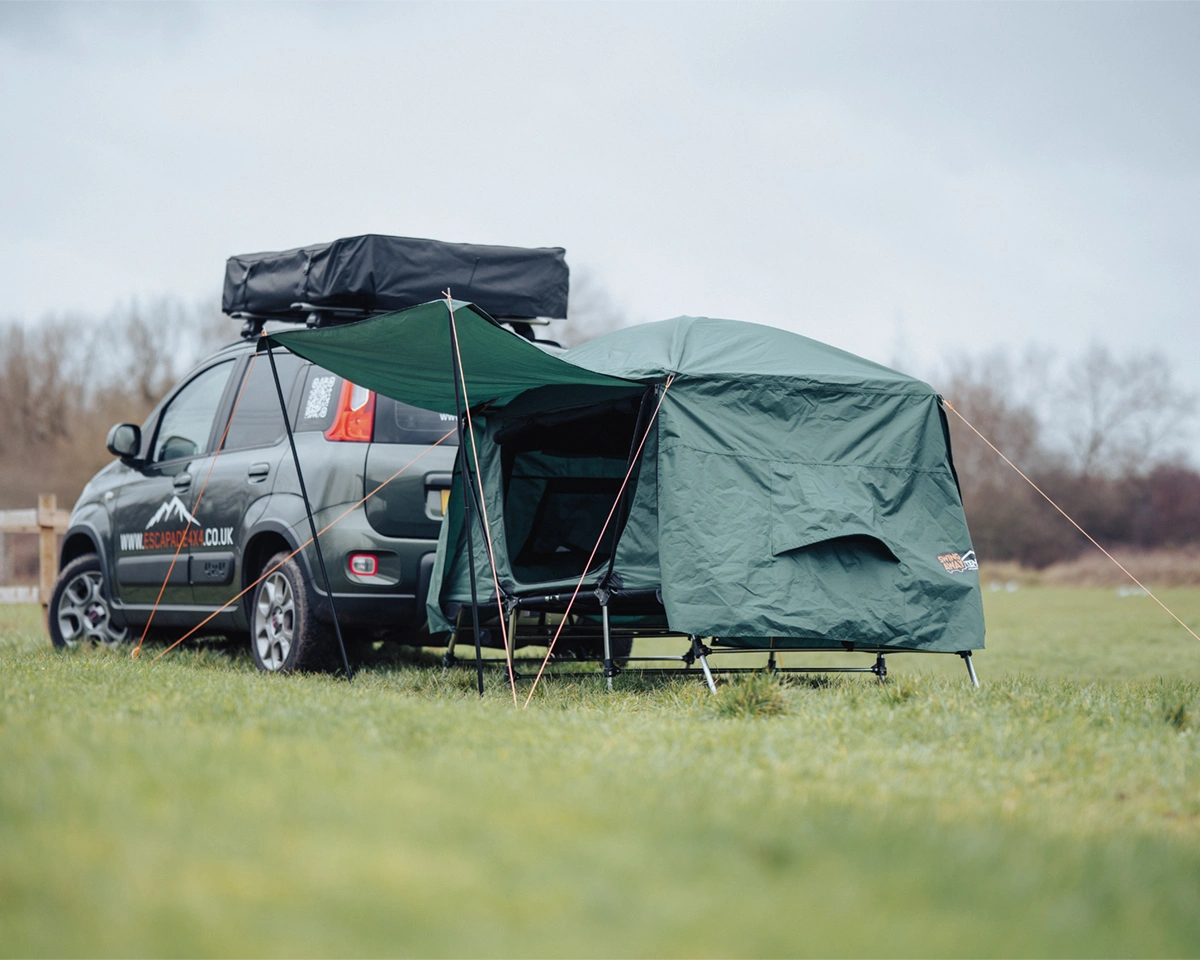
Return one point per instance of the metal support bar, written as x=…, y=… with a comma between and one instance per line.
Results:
x=700, y=651
x=610, y=670
x=966, y=655
x=880, y=668
x=312, y=524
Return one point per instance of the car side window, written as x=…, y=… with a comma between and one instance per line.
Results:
x=186, y=423
x=257, y=421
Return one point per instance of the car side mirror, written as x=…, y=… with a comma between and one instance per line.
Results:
x=124, y=441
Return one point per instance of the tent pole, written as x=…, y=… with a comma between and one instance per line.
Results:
x=966, y=655
x=312, y=525
x=468, y=500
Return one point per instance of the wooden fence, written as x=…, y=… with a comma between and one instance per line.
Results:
x=48, y=522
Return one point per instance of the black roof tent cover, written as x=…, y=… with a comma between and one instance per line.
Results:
x=373, y=274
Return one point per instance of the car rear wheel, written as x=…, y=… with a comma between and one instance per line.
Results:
x=285, y=634
x=80, y=611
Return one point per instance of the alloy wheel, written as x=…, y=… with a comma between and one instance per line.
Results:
x=274, y=621
x=83, y=613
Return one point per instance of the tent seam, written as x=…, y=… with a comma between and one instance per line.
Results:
x=672, y=443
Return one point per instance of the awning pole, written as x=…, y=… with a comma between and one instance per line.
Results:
x=468, y=499
x=312, y=525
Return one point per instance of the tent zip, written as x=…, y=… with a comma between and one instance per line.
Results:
x=623, y=501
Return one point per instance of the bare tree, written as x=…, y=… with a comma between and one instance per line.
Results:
x=67, y=379
x=591, y=312
x=1121, y=416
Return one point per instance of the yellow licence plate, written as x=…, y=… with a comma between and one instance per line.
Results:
x=445, y=501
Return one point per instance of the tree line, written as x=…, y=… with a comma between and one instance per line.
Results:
x=1101, y=434
x=68, y=378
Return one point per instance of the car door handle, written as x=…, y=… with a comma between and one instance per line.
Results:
x=182, y=481
x=258, y=472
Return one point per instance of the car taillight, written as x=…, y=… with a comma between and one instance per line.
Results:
x=364, y=564
x=355, y=417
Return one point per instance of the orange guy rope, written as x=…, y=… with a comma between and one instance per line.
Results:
x=487, y=529
x=266, y=573
x=196, y=506
x=1069, y=519
x=599, y=540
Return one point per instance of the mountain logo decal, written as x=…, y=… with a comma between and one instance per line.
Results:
x=172, y=509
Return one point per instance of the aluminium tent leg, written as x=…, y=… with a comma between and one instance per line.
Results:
x=609, y=670
x=966, y=655
x=449, y=659
x=312, y=526
x=880, y=668
x=512, y=637
x=701, y=652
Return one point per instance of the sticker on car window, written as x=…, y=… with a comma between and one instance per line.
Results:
x=319, y=395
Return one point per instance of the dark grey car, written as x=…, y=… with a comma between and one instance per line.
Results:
x=199, y=504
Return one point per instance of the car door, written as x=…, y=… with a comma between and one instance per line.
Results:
x=240, y=474
x=153, y=519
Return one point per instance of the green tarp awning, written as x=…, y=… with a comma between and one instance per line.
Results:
x=406, y=356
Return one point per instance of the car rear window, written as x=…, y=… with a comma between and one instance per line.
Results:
x=395, y=422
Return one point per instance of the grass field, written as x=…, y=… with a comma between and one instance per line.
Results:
x=194, y=807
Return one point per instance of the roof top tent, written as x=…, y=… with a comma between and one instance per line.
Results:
x=357, y=277
x=787, y=496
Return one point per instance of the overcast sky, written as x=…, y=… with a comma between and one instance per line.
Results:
x=882, y=177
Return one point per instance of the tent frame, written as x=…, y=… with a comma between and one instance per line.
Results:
x=698, y=650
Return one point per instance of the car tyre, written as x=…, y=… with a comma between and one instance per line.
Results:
x=80, y=608
x=285, y=634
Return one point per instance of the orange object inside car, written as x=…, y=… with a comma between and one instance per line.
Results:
x=355, y=417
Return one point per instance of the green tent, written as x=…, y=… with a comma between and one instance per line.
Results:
x=788, y=494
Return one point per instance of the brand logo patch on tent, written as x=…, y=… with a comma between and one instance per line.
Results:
x=958, y=562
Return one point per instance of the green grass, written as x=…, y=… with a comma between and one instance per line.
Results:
x=194, y=807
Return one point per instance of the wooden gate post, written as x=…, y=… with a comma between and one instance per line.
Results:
x=47, y=551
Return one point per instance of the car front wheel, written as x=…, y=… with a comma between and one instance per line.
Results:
x=80, y=611
x=285, y=634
